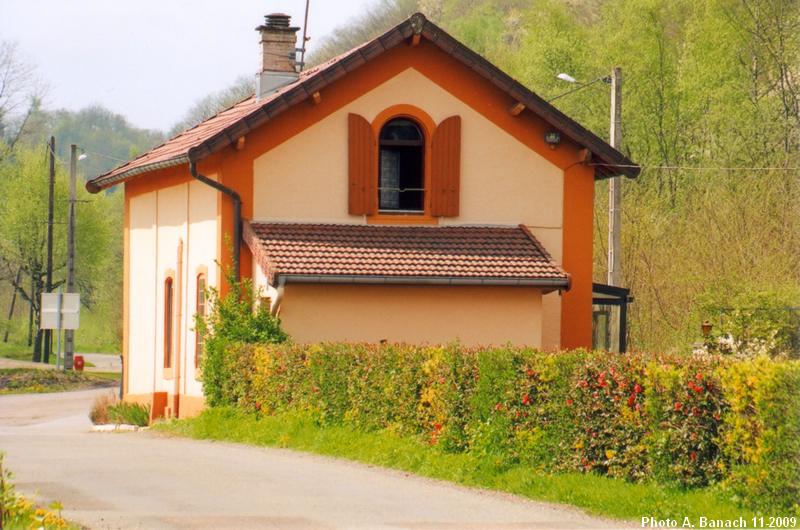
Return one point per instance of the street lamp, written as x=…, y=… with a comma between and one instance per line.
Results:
x=615, y=184
x=569, y=79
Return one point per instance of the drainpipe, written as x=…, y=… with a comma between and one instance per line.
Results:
x=278, y=297
x=237, y=214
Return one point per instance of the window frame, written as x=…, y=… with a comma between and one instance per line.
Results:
x=427, y=127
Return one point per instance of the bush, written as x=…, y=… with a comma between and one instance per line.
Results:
x=237, y=317
x=686, y=421
x=99, y=412
x=129, y=414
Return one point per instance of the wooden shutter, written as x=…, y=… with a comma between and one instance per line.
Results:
x=446, y=168
x=363, y=175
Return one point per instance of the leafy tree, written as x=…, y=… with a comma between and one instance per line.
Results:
x=23, y=231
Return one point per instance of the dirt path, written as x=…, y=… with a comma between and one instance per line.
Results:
x=140, y=480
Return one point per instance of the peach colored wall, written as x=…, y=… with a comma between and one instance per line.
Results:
x=159, y=221
x=141, y=293
x=474, y=315
x=290, y=185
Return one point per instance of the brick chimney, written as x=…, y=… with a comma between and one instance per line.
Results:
x=278, y=66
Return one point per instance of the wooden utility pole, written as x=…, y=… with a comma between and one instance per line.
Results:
x=48, y=335
x=615, y=194
x=69, y=334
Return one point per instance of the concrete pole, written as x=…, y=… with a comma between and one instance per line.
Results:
x=615, y=199
x=615, y=185
x=48, y=334
x=69, y=335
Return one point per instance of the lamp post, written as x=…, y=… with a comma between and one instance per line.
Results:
x=615, y=184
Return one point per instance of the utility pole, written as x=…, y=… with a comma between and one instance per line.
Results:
x=615, y=184
x=615, y=194
x=69, y=334
x=48, y=335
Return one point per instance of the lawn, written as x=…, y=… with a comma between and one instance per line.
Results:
x=32, y=380
x=595, y=494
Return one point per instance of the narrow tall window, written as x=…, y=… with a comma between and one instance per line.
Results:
x=200, y=309
x=169, y=296
x=401, y=167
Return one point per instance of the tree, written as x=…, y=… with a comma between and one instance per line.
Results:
x=23, y=231
x=19, y=89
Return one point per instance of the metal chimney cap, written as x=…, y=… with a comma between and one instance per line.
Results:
x=276, y=21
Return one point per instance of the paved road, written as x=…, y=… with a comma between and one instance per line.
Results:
x=141, y=480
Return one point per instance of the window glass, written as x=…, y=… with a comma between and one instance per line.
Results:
x=168, y=322
x=401, y=179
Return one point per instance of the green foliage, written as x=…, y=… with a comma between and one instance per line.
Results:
x=761, y=431
x=129, y=413
x=747, y=323
x=683, y=421
x=23, y=232
x=235, y=317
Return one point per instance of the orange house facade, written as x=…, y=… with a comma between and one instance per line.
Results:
x=405, y=191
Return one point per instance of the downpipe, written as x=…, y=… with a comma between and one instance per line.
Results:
x=237, y=214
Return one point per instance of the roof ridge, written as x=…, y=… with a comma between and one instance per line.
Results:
x=326, y=73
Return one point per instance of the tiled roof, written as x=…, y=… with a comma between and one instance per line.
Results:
x=337, y=253
x=224, y=128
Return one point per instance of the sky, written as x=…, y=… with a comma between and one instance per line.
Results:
x=149, y=60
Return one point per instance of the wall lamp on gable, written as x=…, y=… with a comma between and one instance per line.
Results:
x=552, y=138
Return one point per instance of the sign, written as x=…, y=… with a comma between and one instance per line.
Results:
x=63, y=307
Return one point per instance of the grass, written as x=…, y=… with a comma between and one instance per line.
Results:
x=19, y=352
x=595, y=494
x=32, y=380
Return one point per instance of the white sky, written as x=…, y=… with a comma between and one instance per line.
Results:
x=149, y=60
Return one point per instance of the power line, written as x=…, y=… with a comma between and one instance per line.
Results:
x=700, y=168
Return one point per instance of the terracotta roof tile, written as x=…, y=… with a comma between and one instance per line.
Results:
x=412, y=254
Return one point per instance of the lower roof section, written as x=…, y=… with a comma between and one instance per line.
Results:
x=419, y=255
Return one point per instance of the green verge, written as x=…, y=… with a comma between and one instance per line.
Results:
x=595, y=494
x=35, y=381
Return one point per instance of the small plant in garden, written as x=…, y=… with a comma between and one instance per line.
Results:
x=99, y=412
x=129, y=414
x=237, y=317
x=16, y=511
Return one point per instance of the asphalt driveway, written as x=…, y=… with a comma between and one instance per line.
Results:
x=142, y=480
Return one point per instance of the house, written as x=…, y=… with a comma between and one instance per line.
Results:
x=407, y=190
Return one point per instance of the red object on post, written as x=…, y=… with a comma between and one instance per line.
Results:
x=77, y=363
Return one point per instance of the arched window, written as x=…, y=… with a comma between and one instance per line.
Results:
x=200, y=310
x=401, y=167
x=169, y=297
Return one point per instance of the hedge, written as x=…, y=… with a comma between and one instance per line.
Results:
x=689, y=421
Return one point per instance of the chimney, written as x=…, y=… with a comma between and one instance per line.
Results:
x=278, y=66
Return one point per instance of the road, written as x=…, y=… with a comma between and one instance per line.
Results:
x=143, y=480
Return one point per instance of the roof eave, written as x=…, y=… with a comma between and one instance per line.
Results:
x=555, y=283
x=98, y=184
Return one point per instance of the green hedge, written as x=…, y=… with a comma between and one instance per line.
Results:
x=692, y=421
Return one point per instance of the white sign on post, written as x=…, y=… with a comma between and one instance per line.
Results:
x=65, y=307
